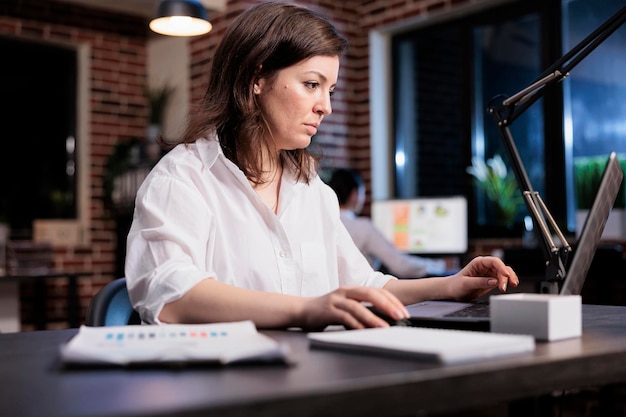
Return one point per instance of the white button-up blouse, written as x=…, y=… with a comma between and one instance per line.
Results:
x=197, y=217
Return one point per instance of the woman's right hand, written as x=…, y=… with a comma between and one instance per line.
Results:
x=345, y=306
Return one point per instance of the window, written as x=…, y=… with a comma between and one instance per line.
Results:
x=594, y=121
x=446, y=74
x=506, y=56
x=429, y=92
x=39, y=161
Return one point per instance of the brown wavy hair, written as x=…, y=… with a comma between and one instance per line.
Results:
x=260, y=42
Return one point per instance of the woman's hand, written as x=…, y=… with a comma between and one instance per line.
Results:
x=481, y=275
x=345, y=306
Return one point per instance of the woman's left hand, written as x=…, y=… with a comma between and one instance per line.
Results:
x=481, y=275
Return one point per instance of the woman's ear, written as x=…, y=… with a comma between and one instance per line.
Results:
x=258, y=82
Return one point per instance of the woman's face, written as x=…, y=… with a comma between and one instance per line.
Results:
x=296, y=100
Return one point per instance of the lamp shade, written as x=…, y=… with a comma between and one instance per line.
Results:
x=181, y=18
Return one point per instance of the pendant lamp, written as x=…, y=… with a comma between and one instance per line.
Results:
x=181, y=18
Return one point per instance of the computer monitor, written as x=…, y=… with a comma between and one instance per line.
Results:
x=424, y=225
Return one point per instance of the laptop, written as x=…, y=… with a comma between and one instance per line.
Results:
x=475, y=315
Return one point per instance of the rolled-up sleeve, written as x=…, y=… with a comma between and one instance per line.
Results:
x=167, y=245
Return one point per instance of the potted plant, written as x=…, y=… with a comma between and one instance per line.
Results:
x=499, y=186
x=587, y=175
x=158, y=98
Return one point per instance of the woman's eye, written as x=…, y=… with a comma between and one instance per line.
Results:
x=312, y=84
x=331, y=93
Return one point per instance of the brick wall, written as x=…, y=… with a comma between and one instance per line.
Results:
x=118, y=108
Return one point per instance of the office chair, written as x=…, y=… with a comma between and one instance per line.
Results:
x=111, y=306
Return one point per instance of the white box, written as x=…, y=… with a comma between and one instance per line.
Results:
x=545, y=316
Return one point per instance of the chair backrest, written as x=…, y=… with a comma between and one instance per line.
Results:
x=111, y=306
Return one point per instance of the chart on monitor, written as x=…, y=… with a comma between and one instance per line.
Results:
x=424, y=225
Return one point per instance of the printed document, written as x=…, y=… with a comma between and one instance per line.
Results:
x=219, y=343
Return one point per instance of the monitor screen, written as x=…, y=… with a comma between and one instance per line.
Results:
x=424, y=225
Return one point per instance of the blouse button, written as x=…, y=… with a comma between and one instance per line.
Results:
x=282, y=254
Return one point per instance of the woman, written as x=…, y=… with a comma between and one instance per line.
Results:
x=234, y=222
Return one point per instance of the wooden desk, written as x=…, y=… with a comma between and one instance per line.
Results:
x=9, y=298
x=321, y=383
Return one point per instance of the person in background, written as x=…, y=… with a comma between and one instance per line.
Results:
x=234, y=222
x=349, y=186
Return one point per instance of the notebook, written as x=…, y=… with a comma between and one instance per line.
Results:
x=438, y=345
x=475, y=316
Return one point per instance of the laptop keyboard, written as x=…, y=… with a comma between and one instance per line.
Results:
x=474, y=310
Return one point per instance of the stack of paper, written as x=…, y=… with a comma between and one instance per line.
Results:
x=445, y=346
x=219, y=343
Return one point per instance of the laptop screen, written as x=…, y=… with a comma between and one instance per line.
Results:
x=594, y=226
x=425, y=225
